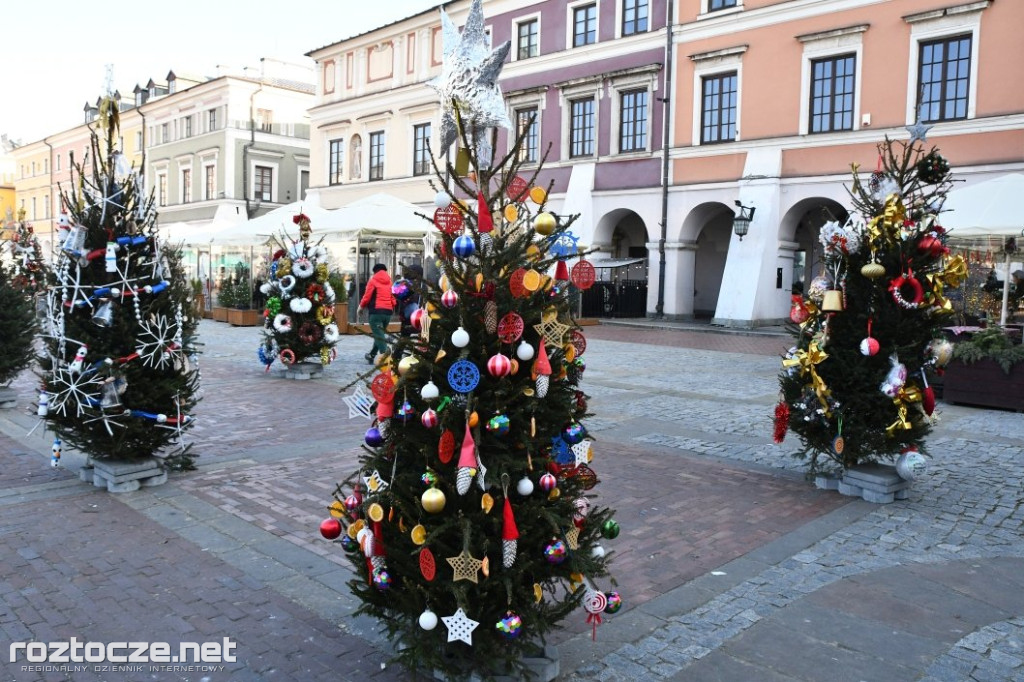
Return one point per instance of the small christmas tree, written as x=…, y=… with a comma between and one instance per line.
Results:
x=119, y=373
x=30, y=269
x=17, y=324
x=855, y=387
x=299, y=316
x=473, y=501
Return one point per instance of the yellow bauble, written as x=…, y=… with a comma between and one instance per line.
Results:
x=406, y=363
x=873, y=270
x=544, y=224
x=433, y=500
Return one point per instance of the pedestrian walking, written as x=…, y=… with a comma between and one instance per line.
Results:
x=377, y=299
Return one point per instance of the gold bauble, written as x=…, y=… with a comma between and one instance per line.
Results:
x=433, y=500
x=544, y=224
x=873, y=270
x=407, y=363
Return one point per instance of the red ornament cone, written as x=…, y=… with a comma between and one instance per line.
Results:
x=509, y=536
x=562, y=271
x=484, y=224
x=467, y=463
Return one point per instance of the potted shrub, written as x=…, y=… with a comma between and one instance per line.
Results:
x=241, y=313
x=225, y=300
x=986, y=370
x=340, y=286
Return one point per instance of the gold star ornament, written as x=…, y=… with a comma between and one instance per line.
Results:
x=464, y=566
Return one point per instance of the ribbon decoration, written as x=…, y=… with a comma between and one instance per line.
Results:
x=955, y=272
x=908, y=394
x=806, y=360
x=936, y=297
x=885, y=228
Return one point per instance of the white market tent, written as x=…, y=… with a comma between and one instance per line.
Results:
x=990, y=210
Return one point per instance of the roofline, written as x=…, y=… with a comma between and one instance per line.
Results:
x=436, y=7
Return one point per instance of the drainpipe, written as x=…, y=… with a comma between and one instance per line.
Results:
x=53, y=191
x=659, y=309
x=249, y=209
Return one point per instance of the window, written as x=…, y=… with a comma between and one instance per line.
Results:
x=718, y=108
x=186, y=126
x=633, y=121
x=420, y=149
x=584, y=25
x=186, y=185
x=265, y=120
x=944, y=78
x=528, y=34
x=211, y=119
x=377, y=155
x=164, y=136
x=832, y=90
x=57, y=167
x=34, y=216
x=581, y=127
x=46, y=207
x=264, y=183
x=161, y=189
x=526, y=120
x=209, y=182
x=634, y=16
x=720, y=4
x=138, y=140
x=336, y=162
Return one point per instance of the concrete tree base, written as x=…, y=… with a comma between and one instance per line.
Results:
x=124, y=476
x=301, y=371
x=8, y=398
x=878, y=483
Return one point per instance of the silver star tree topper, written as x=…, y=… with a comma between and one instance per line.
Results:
x=469, y=79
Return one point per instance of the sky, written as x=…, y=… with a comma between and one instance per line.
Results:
x=55, y=52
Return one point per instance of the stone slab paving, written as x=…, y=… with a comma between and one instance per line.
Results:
x=724, y=544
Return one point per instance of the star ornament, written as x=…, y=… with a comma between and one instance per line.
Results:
x=552, y=331
x=469, y=78
x=460, y=626
x=919, y=131
x=465, y=568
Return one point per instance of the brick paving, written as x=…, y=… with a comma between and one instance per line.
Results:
x=722, y=538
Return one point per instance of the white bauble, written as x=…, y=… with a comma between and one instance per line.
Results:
x=442, y=200
x=911, y=465
x=597, y=552
x=428, y=620
x=525, y=486
x=460, y=338
x=524, y=352
x=429, y=391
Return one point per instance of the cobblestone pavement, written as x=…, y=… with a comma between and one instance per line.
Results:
x=732, y=566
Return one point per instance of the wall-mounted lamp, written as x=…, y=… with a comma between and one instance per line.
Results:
x=741, y=221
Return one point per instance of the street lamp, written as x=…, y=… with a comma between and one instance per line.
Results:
x=741, y=221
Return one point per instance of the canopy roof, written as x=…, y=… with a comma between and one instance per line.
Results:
x=378, y=215
x=989, y=208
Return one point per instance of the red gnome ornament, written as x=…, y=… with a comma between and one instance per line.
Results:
x=509, y=536
x=467, y=463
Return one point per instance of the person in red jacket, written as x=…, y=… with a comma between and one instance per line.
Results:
x=378, y=300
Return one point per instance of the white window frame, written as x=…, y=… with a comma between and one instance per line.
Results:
x=711, y=64
x=566, y=96
x=822, y=46
x=524, y=100
x=299, y=169
x=707, y=12
x=620, y=13
x=186, y=165
x=536, y=16
x=570, y=24
x=942, y=23
x=161, y=181
x=630, y=83
x=275, y=178
x=207, y=195
x=414, y=123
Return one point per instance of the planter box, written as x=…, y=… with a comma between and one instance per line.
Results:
x=984, y=383
x=245, y=318
x=341, y=317
x=220, y=313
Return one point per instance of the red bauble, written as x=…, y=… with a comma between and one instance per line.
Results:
x=446, y=447
x=869, y=346
x=330, y=528
x=382, y=387
x=499, y=365
x=548, y=483
x=417, y=318
x=583, y=275
x=449, y=299
x=448, y=219
x=928, y=400
x=510, y=328
x=517, y=189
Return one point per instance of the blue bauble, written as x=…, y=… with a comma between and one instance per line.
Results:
x=406, y=411
x=464, y=246
x=349, y=544
x=573, y=433
x=374, y=438
x=401, y=289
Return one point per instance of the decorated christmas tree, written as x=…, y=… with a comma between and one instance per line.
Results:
x=119, y=371
x=29, y=272
x=299, y=316
x=17, y=324
x=855, y=387
x=471, y=523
